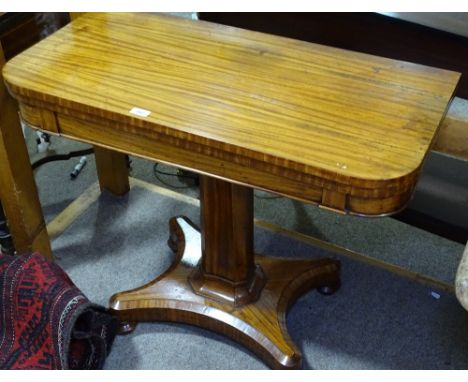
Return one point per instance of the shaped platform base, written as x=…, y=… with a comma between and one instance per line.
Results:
x=259, y=325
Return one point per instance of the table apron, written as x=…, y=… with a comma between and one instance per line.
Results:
x=307, y=188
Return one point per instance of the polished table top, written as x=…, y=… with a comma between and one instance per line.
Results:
x=342, y=129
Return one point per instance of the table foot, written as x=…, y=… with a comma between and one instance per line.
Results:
x=126, y=327
x=260, y=325
x=328, y=290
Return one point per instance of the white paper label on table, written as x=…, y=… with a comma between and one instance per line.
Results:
x=140, y=112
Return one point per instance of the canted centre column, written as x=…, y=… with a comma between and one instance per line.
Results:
x=227, y=271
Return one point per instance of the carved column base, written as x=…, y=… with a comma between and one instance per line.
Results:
x=221, y=290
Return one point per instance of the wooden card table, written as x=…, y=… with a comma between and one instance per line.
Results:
x=346, y=131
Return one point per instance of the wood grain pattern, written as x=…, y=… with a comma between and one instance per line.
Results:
x=227, y=272
x=260, y=326
x=365, y=32
x=18, y=191
x=340, y=129
x=111, y=166
x=347, y=122
x=75, y=15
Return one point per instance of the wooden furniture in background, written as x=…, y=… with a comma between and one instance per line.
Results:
x=18, y=191
x=340, y=129
x=19, y=31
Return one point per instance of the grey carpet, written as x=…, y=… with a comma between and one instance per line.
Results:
x=377, y=320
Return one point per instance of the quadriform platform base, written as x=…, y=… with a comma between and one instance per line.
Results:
x=248, y=304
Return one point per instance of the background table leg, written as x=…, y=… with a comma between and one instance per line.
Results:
x=112, y=170
x=18, y=191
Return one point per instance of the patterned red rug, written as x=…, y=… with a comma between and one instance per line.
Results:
x=46, y=322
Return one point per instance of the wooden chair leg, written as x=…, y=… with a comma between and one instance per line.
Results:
x=18, y=191
x=112, y=170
